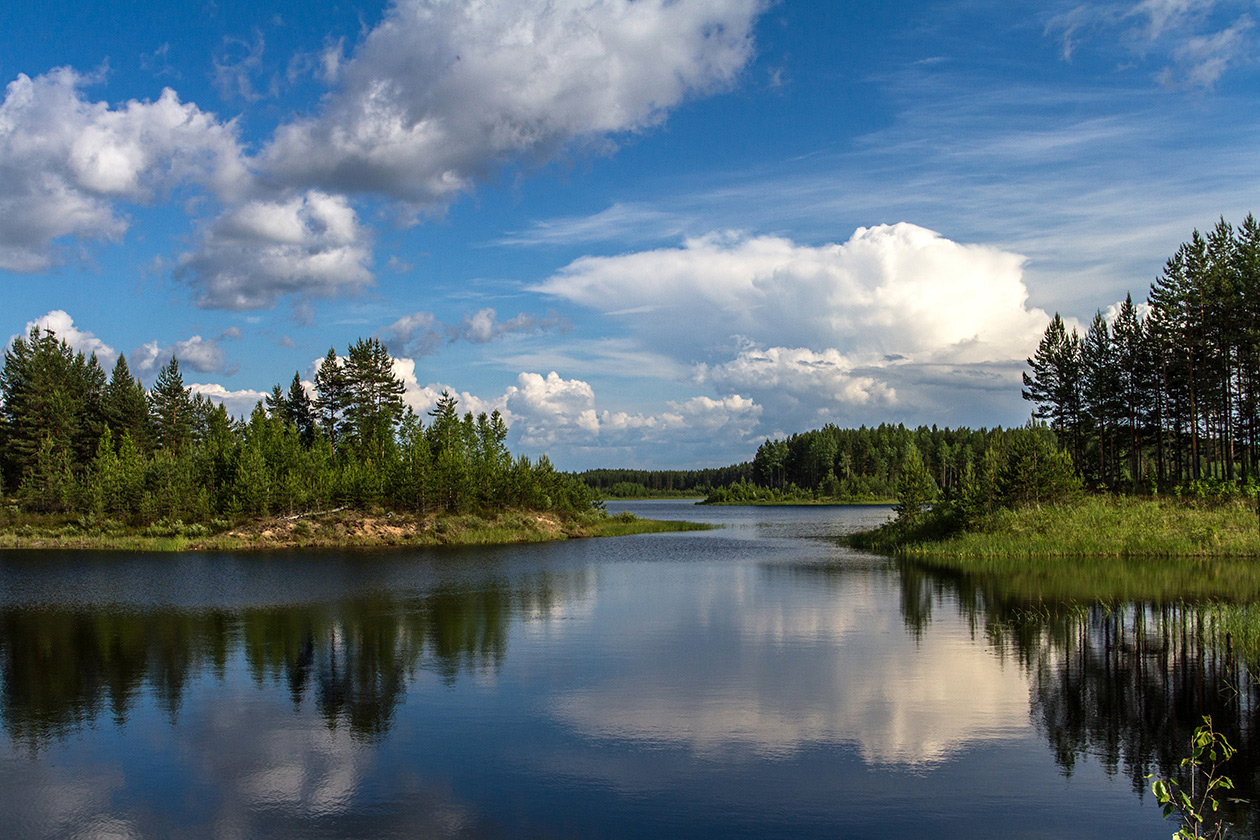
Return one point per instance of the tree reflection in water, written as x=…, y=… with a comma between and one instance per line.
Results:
x=1124, y=681
x=62, y=668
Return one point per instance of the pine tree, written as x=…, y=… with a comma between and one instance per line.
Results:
x=373, y=401
x=1101, y=390
x=1131, y=369
x=1056, y=380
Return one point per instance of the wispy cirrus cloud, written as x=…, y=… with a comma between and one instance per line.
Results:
x=619, y=222
x=1191, y=43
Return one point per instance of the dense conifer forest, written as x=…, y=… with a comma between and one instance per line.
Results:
x=74, y=440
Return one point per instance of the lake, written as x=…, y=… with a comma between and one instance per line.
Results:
x=752, y=681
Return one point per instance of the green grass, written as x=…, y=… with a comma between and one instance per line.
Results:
x=624, y=525
x=1107, y=579
x=1094, y=548
x=1092, y=526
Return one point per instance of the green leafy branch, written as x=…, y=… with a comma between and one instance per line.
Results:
x=1210, y=751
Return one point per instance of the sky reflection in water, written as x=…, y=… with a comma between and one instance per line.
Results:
x=752, y=681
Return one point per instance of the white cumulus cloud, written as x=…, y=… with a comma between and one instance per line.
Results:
x=440, y=94
x=800, y=373
x=558, y=416
x=203, y=355
x=841, y=332
x=256, y=252
x=484, y=326
x=416, y=335
x=549, y=409
x=66, y=161
x=238, y=403
x=59, y=322
x=891, y=290
x=422, y=334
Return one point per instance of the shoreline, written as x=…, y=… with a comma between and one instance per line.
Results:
x=340, y=529
x=802, y=503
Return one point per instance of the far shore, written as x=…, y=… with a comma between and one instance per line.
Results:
x=804, y=503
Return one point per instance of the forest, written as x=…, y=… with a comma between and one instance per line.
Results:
x=1158, y=396
x=637, y=484
x=75, y=441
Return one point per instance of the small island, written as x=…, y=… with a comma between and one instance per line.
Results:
x=89, y=461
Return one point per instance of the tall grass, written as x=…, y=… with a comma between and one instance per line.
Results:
x=1093, y=526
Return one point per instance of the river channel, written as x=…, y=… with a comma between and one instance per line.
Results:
x=756, y=680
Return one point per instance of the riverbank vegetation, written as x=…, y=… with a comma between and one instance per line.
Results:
x=1098, y=527
x=87, y=459
x=338, y=527
x=1154, y=415
x=1024, y=500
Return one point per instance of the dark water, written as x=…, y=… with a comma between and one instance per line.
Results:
x=755, y=681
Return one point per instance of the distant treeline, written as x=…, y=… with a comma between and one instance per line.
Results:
x=1169, y=393
x=831, y=463
x=863, y=464
x=74, y=441
x=631, y=484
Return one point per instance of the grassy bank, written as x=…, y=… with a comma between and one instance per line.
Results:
x=1091, y=526
x=333, y=529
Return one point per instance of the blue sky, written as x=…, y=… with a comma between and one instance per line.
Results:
x=652, y=233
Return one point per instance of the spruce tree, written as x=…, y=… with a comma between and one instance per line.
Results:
x=301, y=411
x=51, y=401
x=330, y=400
x=126, y=406
x=171, y=408
x=915, y=487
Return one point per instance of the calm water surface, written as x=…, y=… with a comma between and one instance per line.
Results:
x=753, y=681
